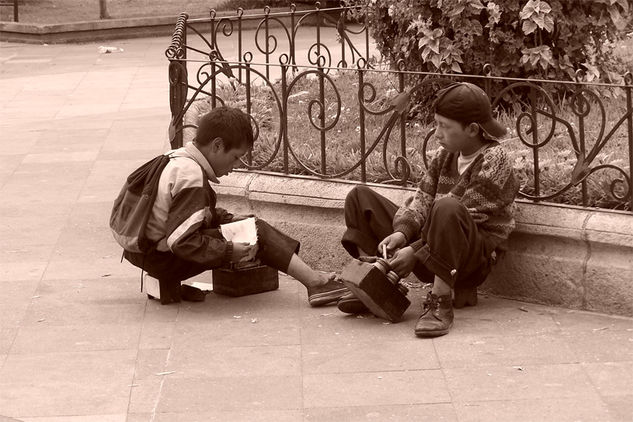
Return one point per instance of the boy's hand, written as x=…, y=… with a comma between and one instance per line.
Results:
x=403, y=261
x=242, y=217
x=243, y=252
x=393, y=242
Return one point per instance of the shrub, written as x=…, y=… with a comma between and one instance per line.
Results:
x=519, y=38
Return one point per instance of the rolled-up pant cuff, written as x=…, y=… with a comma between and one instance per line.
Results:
x=437, y=266
x=354, y=239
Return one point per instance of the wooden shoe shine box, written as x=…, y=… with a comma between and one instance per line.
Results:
x=244, y=281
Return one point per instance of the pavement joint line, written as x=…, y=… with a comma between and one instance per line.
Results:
x=597, y=347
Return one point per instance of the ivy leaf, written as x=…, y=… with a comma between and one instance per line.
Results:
x=476, y=5
x=436, y=61
x=549, y=23
x=456, y=11
x=418, y=24
x=593, y=73
x=527, y=11
x=529, y=27
x=536, y=12
x=616, y=18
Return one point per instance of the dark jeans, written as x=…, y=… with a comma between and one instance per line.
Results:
x=275, y=250
x=449, y=240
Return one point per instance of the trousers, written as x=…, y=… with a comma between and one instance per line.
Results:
x=275, y=250
x=450, y=244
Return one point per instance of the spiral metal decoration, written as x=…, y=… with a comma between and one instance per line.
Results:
x=539, y=124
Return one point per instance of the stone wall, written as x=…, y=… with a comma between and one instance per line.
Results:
x=564, y=256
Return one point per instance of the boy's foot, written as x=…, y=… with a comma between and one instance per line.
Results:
x=437, y=316
x=465, y=297
x=326, y=293
x=192, y=294
x=350, y=304
x=169, y=291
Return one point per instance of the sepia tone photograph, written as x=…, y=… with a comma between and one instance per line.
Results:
x=316, y=211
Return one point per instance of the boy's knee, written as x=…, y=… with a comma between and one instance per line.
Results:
x=447, y=208
x=447, y=204
x=358, y=190
x=358, y=193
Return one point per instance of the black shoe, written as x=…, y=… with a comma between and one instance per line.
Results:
x=327, y=293
x=465, y=297
x=350, y=304
x=192, y=294
x=437, y=316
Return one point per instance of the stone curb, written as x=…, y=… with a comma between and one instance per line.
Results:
x=109, y=29
x=558, y=255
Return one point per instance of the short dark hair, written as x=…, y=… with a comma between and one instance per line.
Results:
x=229, y=123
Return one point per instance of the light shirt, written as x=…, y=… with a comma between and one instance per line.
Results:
x=463, y=161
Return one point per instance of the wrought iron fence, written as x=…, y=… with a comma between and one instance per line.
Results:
x=332, y=111
x=14, y=5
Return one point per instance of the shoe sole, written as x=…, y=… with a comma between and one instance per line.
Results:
x=352, y=306
x=430, y=334
x=320, y=299
x=191, y=294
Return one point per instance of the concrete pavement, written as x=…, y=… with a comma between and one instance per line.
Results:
x=79, y=342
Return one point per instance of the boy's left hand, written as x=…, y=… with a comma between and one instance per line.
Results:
x=241, y=217
x=403, y=261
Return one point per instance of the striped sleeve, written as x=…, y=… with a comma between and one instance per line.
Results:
x=186, y=231
x=410, y=217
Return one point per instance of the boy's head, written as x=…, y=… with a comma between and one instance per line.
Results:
x=465, y=106
x=224, y=135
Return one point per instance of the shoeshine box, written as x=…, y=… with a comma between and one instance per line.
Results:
x=247, y=280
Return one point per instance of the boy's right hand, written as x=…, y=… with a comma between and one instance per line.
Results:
x=393, y=242
x=243, y=252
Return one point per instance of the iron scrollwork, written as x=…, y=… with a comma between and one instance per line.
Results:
x=275, y=92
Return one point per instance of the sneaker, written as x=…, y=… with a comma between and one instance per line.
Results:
x=465, y=297
x=350, y=304
x=437, y=316
x=327, y=293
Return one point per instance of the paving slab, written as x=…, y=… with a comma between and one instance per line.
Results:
x=80, y=342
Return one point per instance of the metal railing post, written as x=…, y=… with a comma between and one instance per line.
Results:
x=628, y=80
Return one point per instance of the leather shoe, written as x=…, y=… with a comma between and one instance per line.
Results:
x=350, y=304
x=192, y=294
x=437, y=316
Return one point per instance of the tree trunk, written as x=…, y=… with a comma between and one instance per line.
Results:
x=103, y=10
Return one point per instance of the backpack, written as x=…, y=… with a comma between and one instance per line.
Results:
x=133, y=207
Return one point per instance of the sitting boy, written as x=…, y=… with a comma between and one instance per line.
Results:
x=185, y=221
x=447, y=231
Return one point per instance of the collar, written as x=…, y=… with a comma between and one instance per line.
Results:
x=195, y=153
x=474, y=154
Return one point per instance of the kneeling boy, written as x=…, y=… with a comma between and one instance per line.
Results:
x=185, y=222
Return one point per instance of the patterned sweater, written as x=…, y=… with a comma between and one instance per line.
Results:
x=487, y=189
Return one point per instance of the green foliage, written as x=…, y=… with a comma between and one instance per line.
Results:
x=520, y=38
